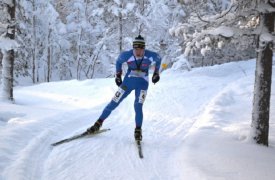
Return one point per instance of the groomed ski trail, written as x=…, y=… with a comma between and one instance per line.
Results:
x=167, y=120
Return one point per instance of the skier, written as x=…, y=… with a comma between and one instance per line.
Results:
x=138, y=60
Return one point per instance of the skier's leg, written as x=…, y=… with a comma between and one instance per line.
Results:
x=140, y=95
x=122, y=93
x=139, y=100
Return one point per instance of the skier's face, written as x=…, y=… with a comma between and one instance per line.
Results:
x=139, y=52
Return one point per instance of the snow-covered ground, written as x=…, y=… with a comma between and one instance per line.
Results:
x=196, y=126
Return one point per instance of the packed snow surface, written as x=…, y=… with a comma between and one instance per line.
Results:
x=196, y=126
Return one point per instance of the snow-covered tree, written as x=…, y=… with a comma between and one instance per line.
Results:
x=263, y=75
x=155, y=21
x=234, y=21
x=37, y=25
x=114, y=24
x=82, y=39
x=7, y=46
x=86, y=35
x=206, y=37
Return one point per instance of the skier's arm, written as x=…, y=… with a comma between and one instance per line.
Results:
x=120, y=60
x=157, y=59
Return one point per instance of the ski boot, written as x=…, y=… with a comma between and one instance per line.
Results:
x=95, y=127
x=138, y=134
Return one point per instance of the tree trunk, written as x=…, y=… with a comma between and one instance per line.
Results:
x=79, y=66
x=8, y=64
x=262, y=87
x=35, y=77
x=142, y=13
x=1, y=67
x=8, y=59
x=120, y=27
x=49, y=56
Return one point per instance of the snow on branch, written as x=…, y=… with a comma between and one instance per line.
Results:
x=8, y=2
x=7, y=44
x=265, y=8
x=212, y=19
x=222, y=31
x=264, y=41
x=240, y=19
x=3, y=26
x=202, y=40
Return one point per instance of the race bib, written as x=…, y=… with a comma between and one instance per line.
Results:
x=136, y=73
x=118, y=95
x=142, y=96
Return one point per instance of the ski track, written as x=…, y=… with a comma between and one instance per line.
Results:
x=29, y=161
x=115, y=150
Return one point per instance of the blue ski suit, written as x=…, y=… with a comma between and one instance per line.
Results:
x=136, y=79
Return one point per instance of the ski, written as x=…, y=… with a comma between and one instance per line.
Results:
x=79, y=136
x=140, y=153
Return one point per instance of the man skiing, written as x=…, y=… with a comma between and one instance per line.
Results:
x=138, y=60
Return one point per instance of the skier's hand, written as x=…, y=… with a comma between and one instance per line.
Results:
x=118, y=78
x=155, y=77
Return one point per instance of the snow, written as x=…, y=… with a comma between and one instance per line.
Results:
x=265, y=7
x=220, y=44
x=7, y=44
x=97, y=12
x=266, y=37
x=222, y=30
x=8, y=2
x=181, y=63
x=130, y=6
x=196, y=126
x=3, y=26
x=204, y=50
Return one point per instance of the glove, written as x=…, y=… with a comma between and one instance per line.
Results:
x=118, y=78
x=155, y=78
